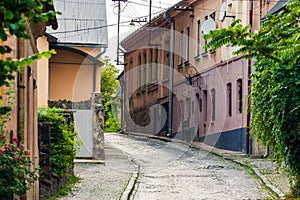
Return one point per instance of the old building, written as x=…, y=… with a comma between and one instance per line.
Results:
x=173, y=84
x=23, y=117
x=72, y=78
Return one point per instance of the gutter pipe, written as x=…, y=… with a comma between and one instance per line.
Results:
x=95, y=68
x=171, y=78
x=249, y=87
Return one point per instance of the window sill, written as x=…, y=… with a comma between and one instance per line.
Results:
x=204, y=54
x=152, y=87
x=187, y=63
x=197, y=58
x=212, y=51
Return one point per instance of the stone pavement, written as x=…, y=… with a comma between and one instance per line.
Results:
x=114, y=177
x=107, y=179
x=264, y=169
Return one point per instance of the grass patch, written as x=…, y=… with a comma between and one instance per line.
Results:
x=66, y=189
x=262, y=183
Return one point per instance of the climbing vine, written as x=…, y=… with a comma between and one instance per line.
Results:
x=275, y=96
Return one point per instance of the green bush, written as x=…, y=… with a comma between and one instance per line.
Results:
x=111, y=123
x=63, y=140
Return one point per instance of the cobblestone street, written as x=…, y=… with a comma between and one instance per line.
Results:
x=162, y=170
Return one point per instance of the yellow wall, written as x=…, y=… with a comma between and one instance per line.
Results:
x=71, y=76
x=42, y=73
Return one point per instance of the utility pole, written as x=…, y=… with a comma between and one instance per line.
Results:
x=119, y=19
x=150, y=8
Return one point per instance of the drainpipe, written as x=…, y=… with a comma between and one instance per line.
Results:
x=170, y=106
x=249, y=86
x=95, y=68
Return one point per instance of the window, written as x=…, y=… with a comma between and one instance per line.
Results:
x=198, y=38
x=140, y=72
x=156, y=63
x=150, y=65
x=205, y=40
x=180, y=48
x=239, y=86
x=145, y=70
x=229, y=99
x=213, y=104
x=205, y=104
x=188, y=44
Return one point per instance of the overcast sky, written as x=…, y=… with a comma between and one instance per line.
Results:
x=132, y=9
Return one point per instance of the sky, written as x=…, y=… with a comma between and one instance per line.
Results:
x=132, y=9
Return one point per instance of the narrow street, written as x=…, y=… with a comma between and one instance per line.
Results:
x=175, y=171
x=148, y=169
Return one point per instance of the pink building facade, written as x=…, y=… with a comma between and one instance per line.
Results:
x=208, y=100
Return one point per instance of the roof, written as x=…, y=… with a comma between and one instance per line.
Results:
x=81, y=22
x=160, y=16
x=278, y=7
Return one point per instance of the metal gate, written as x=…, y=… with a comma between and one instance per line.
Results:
x=83, y=120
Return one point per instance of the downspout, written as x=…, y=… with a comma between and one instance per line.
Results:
x=249, y=86
x=95, y=68
x=170, y=106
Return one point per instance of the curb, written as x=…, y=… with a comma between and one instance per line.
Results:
x=89, y=161
x=129, y=189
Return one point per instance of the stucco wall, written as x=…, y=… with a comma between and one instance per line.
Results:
x=72, y=77
x=43, y=73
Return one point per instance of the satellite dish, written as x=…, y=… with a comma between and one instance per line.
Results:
x=208, y=25
x=223, y=11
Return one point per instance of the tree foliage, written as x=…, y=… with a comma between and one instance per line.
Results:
x=13, y=17
x=109, y=86
x=63, y=140
x=275, y=96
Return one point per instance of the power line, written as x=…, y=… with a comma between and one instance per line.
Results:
x=141, y=4
x=87, y=29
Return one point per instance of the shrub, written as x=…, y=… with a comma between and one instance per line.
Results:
x=63, y=140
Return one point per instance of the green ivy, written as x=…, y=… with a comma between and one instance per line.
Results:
x=275, y=92
x=63, y=140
